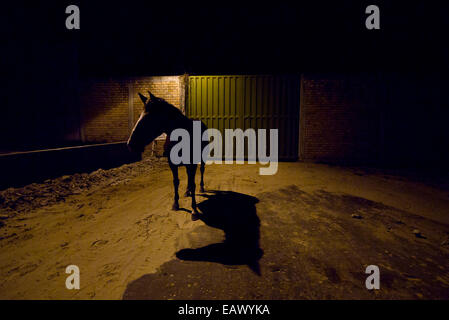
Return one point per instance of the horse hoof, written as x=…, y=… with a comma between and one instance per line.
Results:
x=196, y=216
x=175, y=207
x=187, y=194
x=202, y=190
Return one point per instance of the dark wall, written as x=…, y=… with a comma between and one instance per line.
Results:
x=415, y=121
x=392, y=119
x=39, y=79
x=43, y=63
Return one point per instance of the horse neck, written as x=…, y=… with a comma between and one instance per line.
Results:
x=177, y=120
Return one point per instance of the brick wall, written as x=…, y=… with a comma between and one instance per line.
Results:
x=340, y=115
x=104, y=111
x=108, y=113
x=340, y=118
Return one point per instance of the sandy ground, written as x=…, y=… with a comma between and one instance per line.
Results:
x=309, y=234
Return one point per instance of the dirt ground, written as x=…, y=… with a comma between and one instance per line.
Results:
x=307, y=232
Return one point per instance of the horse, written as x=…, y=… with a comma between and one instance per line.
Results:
x=158, y=117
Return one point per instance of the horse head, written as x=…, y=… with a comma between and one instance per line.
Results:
x=151, y=124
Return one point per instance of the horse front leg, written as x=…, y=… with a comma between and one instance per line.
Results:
x=188, y=192
x=174, y=170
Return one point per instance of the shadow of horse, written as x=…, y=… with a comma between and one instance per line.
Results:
x=235, y=214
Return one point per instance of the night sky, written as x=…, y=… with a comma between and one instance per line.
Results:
x=150, y=37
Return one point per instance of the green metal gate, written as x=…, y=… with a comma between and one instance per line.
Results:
x=246, y=101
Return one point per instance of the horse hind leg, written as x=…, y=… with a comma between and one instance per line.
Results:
x=202, y=177
x=191, y=171
x=174, y=170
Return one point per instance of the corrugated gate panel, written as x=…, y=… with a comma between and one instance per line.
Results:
x=245, y=101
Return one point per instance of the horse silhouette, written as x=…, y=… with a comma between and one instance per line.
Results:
x=158, y=117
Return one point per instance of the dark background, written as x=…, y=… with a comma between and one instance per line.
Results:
x=130, y=37
x=43, y=63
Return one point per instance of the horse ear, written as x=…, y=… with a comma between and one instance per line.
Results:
x=143, y=98
x=152, y=96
